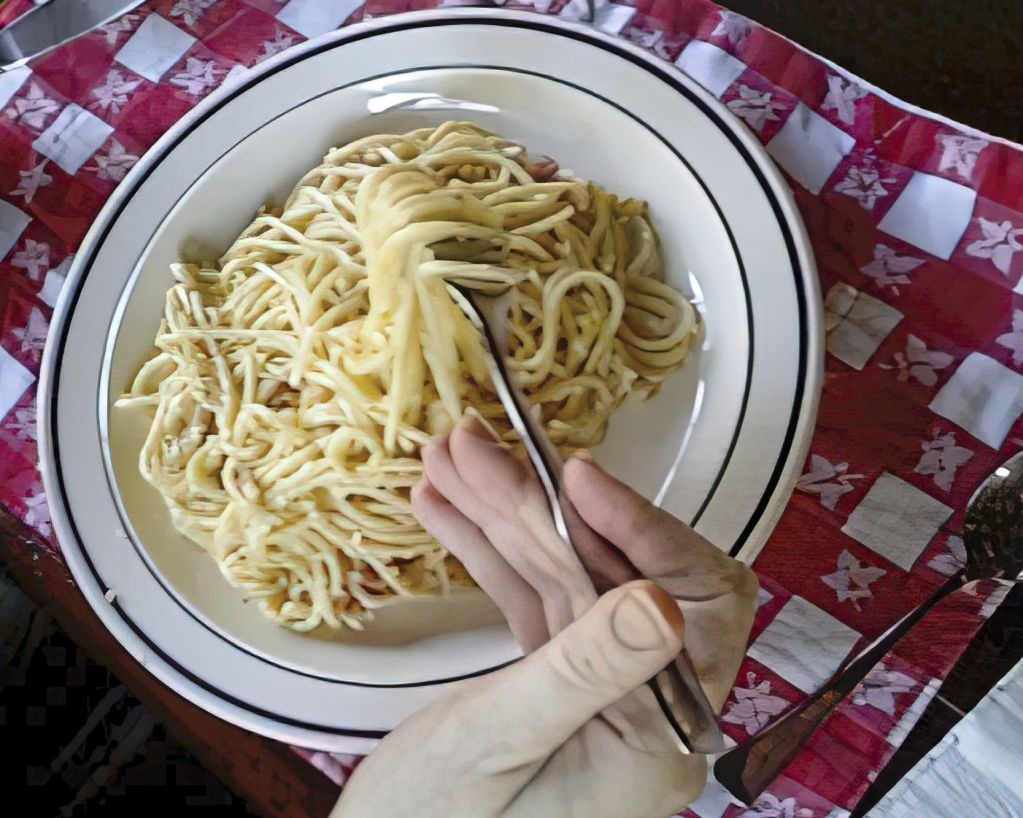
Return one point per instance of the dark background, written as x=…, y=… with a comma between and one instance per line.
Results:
x=961, y=58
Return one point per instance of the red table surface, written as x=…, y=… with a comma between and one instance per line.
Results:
x=917, y=228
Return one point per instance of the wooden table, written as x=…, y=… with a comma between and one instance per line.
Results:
x=959, y=59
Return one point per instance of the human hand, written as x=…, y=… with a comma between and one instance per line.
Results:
x=571, y=730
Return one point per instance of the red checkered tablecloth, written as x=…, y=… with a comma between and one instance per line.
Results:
x=12, y=9
x=917, y=224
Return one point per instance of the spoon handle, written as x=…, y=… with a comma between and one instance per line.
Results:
x=746, y=771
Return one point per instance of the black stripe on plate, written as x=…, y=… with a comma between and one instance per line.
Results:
x=658, y=72
x=126, y=523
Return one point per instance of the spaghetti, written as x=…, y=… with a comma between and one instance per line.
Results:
x=296, y=379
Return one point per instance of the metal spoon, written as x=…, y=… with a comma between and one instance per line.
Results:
x=992, y=533
x=1003, y=518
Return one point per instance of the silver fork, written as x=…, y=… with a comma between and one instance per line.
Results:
x=677, y=688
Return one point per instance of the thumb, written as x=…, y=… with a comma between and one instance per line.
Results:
x=626, y=638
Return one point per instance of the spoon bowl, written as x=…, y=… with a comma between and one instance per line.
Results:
x=992, y=534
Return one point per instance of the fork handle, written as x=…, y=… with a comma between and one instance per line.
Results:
x=746, y=771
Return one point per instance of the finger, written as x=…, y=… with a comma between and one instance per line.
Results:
x=718, y=593
x=606, y=565
x=496, y=478
x=619, y=782
x=656, y=543
x=517, y=600
x=485, y=484
x=505, y=500
x=440, y=469
x=716, y=640
x=626, y=638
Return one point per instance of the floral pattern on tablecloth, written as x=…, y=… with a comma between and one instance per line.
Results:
x=917, y=227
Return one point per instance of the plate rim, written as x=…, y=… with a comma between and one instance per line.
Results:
x=803, y=412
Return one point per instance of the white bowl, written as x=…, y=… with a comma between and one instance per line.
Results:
x=719, y=446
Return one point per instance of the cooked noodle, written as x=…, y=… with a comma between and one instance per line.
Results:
x=296, y=379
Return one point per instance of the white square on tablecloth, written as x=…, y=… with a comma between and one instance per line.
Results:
x=11, y=81
x=72, y=138
x=311, y=18
x=13, y=222
x=714, y=68
x=54, y=282
x=713, y=801
x=838, y=812
x=857, y=324
x=931, y=213
x=896, y=520
x=574, y=9
x=809, y=147
x=983, y=396
x=613, y=17
x=154, y=47
x=14, y=380
x=803, y=644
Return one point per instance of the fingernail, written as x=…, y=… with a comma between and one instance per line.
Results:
x=473, y=426
x=646, y=618
x=582, y=454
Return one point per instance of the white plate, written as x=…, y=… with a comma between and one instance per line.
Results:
x=720, y=446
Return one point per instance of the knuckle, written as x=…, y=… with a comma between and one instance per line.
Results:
x=747, y=583
x=583, y=670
